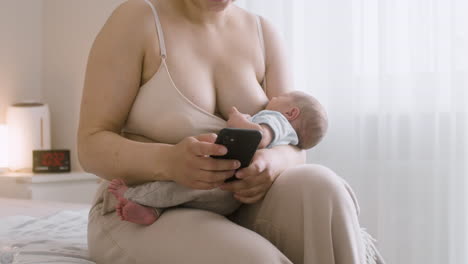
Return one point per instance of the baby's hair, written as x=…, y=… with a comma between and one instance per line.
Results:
x=313, y=122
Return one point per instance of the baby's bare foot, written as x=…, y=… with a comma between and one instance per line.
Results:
x=137, y=213
x=119, y=206
x=117, y=187
x=128, y=210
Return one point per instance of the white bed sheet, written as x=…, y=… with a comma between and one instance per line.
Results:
x=43, y=232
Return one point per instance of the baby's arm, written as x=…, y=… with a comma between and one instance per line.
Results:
x=239, y=120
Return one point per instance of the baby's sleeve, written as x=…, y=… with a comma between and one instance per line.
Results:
x=283, y=132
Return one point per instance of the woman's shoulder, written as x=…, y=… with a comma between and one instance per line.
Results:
x=129, y=16
x=128, y=24
x=270, y=32
x=132, y=8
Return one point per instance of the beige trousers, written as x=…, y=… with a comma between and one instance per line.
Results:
x=308, y=216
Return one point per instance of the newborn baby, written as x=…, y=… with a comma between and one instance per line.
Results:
x=293, y=118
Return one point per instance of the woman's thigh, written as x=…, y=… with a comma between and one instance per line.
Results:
x=180, y=235
x=310, y=214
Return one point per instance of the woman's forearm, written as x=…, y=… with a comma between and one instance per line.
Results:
x=109, y=156
x=289, y=155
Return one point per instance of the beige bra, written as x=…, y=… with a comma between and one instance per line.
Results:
x=161, y=113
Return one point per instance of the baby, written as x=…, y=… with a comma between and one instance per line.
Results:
x=293, y=118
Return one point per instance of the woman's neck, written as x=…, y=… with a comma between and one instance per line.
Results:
x=199, y=14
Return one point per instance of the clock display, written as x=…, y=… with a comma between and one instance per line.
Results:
x=51, y=161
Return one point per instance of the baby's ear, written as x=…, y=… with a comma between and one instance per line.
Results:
x=293, y=113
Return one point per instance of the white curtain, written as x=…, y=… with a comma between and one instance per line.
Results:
x=393, y=75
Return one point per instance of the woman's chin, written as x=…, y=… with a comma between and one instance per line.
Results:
x=218, y=5
x=219, y=1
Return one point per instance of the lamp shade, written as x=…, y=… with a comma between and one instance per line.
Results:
x=29, y=129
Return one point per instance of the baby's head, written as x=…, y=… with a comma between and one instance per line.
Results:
x=306, y=115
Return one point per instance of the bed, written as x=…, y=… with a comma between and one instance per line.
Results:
x=43, y=232
x=33, y=232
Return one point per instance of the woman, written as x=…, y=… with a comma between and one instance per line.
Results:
x=161, y=78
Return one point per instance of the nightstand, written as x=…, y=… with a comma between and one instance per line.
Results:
x=72, y=187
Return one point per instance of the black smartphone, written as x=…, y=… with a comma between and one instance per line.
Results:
x=241, y=145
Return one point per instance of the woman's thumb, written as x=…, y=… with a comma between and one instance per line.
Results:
x=209, y=137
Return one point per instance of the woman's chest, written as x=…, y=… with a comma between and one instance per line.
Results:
x=214, y=73
x=217, y=86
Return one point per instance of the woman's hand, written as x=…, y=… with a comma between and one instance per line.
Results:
x=255, y=180
x=190, y=163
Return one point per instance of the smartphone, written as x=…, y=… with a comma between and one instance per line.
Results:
x=241, y=145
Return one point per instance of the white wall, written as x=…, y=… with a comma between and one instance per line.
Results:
x=44, y=47
x=20, y=52
x=70, y=27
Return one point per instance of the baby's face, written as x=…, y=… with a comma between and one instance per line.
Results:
x=280, y=103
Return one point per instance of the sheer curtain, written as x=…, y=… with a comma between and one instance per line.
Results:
x=393, y=75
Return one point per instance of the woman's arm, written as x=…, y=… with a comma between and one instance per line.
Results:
x=113, y=78
x=279, y=80
x=111, y=84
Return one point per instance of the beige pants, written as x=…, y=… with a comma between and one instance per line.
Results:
x=308, y=216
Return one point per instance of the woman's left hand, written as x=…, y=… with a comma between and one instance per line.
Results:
x=256, y=179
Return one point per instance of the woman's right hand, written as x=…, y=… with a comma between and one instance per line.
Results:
x=191, y=165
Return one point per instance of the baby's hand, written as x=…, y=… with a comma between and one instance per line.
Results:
x=237, y=119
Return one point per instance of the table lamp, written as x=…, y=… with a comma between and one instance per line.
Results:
x=29, y=129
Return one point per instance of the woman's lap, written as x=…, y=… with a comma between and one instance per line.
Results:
x=297, y=216
x=180, y=235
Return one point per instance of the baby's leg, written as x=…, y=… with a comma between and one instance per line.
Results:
x=164, y=194
x=131, y=211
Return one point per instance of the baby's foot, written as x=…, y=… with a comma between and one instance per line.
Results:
x=117, y=187
x=119, y=206
x=136, y=213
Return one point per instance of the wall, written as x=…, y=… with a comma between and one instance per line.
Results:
x=44, y=47
x=20, y=52
x=70, y=27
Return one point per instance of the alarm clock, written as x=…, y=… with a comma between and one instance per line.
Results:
x=51, y=161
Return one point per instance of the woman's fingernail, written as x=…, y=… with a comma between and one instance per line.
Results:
x=222, y=151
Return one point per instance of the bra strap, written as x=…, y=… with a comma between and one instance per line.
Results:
x=162, y=44
x=262, y=45
x=260, y=36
